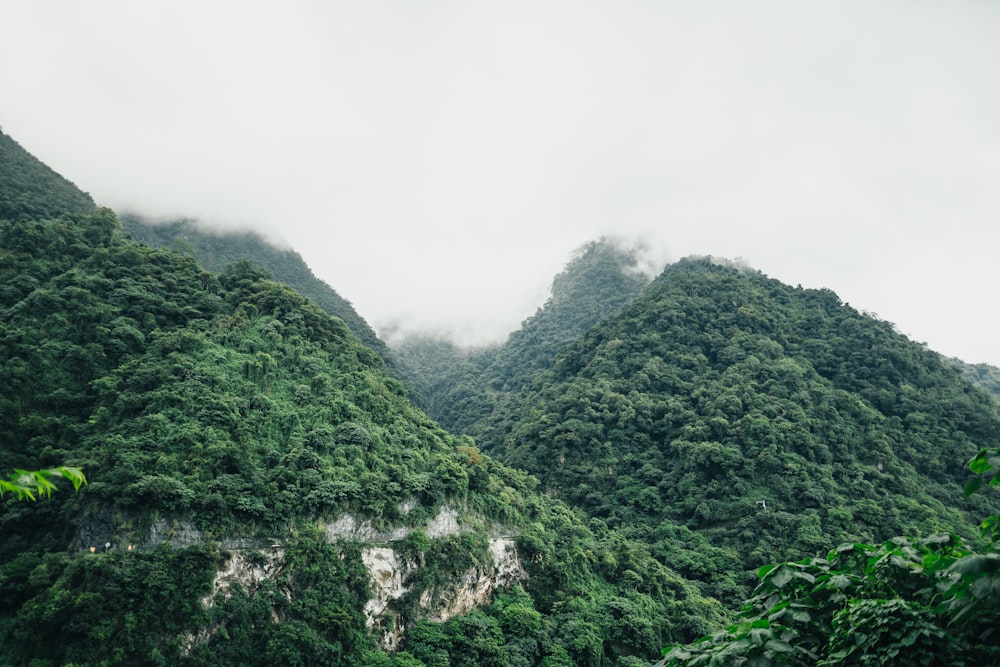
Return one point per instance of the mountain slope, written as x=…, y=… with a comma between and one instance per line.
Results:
x=984, y=376
x=723, y=416
x=251, y=465
x=217, y=250
x=462, y=388
x=32, y=189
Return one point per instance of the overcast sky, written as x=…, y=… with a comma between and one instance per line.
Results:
x=438, y=162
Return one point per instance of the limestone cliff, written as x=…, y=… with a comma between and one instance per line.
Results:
x=393, y=576
x=391, y=573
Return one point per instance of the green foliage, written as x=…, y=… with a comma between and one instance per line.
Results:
x=108, y=608
x=727, y=420
x=26, y=484
x=932, y=601
x=31, y=190
x=216, y=251
x=985, y=376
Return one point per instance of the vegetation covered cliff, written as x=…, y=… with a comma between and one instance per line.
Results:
x=227, y=424
x=615, y=478
x=215, y=250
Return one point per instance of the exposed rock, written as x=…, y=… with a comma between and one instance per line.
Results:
x=475, y=588
x=254, y=560
x=445, y=523
x=248, y=569
x=180, y=534
x=347, y=527
x=387, y=572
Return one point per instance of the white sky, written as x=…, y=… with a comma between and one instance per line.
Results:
x=437, y=162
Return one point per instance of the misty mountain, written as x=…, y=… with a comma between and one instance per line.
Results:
x=32, y=189
x=215, y=250
x=262, y=492
x=727, y=420
x=461, y=388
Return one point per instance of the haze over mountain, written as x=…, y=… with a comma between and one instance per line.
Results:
x=436, y=163
x=260, y=491
x=267, y=494
x=216, y=250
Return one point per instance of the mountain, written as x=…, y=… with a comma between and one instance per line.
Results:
x=262, y=492
x=984, y=376
x=32, y=189
x=726, y=420
x=215, y=250
x=461, y=389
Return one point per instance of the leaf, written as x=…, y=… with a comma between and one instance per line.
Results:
x=976, y=563
x=782, y=577
x=764, y=570
x=972, y=486
x=778, y=646
x=987, y=587
x=980, y=463
x=801, y=616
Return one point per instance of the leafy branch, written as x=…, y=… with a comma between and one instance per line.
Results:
x=930, y=601
x=28, y=484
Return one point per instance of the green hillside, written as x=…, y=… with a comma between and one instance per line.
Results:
x=984, y=376
x=217, y=250
x=464, y=389
x=728, y=420
x=248, y=459
x=33, y=190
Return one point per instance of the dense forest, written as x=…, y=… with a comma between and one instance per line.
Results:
x=710, y=461
x=215, y=250
x=224, y=414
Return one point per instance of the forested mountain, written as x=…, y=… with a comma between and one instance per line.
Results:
x=216, y=250
x=727, y=420
x=31, y=189
x=984, y=376
x=462, y=388
x=262, y=492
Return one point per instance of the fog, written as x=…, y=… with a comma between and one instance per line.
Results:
x=438, y=162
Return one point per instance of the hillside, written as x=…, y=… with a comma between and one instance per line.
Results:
x=32, y=189
x=463, y=389
x=984, y=376
x=727, y=420
x=217, y=250
x=262, y=492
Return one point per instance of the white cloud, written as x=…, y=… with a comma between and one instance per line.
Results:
x=437, y=162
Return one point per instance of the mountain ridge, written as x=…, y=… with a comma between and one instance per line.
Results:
x=225, y=419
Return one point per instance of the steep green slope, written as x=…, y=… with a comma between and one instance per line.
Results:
x=461, y=388
x=217, y=250
x=984, y=376
x=32, y=189
x=729, y=420
x=225, y=419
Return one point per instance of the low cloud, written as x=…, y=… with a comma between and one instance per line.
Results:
x=438, y=164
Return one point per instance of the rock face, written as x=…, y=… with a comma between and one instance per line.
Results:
x=248, y=569
x=390, y=573
x=252, y=561
x=348, y=527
